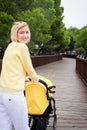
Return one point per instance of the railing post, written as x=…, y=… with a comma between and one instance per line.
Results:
x=81, y=67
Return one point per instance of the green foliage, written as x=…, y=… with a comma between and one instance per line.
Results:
x=45, y=4
x=73, y=32
x=5, y=26
x=22, y=5
x=9, y=7
x=82, y=40
x=45, y=21
x=79, y=40
x=81, y=50
x=39, y=25
x=33, y=48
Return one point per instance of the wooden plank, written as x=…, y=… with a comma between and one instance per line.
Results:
x=70, y=96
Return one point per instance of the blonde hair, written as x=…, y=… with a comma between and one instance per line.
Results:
x=14, y=30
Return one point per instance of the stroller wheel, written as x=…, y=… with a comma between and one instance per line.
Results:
x=54, y=124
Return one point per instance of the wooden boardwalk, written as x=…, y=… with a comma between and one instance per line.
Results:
x=70, y=96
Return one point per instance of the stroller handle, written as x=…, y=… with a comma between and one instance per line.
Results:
x=43, y=82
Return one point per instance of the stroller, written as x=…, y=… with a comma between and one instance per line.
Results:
x=40, y=103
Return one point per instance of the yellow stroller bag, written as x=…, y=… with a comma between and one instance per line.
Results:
x=38, y=98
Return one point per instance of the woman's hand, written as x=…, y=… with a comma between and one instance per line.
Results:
x=27, y=79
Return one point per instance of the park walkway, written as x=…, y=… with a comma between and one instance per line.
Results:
x=71, y=94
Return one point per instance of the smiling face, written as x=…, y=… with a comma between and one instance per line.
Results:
x=23, y=35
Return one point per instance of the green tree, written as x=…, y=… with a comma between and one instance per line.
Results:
x=58, y=31
x=39, y=25
x=78, y=40
x=40, y=18
x=9, y=7
x=82, y=41
x=73, y=32
x=44, y=18
x=5, y=26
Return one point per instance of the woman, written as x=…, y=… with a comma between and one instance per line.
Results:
x=16, y=64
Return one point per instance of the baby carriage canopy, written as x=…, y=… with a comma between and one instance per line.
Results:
x=40, y=103
x=36, y=98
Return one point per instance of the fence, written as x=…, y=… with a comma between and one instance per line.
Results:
x=81, y=67
x=45, y=59
x=41, y=60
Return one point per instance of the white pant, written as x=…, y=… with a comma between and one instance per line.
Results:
x=13, y=111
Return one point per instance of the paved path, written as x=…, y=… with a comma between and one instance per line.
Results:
x=71, y=94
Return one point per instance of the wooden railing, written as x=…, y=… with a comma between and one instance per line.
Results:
x=41, y=60
x=81, y=67
x=45, y=59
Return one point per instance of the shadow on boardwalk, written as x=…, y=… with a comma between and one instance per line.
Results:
x=71, y=94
